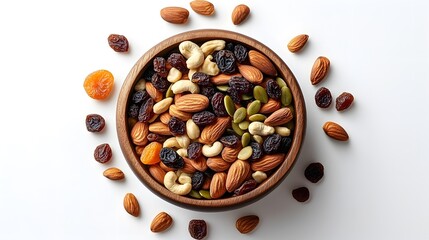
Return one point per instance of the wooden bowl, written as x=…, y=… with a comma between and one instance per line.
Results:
x=123, y=130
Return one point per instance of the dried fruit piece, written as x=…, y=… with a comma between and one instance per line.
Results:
x=246, y=187
x=230, y=141
x=203, y=118
x=197, y=228
x=177, y=61
x=218, y=105
x=161, y=222
x=323, y=97
x=240, y=53
x=201, y=79
x=171, y=159
x=195, y=150
x=246, y=224
x=99, y=84
x=314, y=172
x=272, y=144
x=177, y=127
x=145, y=111
x=103, y=153
x=226, y=62
x=198, y=179
x=160, y=83
x=344, y=101
x=239, y=14
x=140, y=96
x=301, y=194
x=94, y=123
x=150, y=154
x=273, y=89
x=118, y=43
x=131, y=205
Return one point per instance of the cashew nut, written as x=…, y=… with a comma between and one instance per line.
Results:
x=209, y=67
x=174, y=75
x=171, y=143
x=162, y=105
x=213, y=150
x=193, y=53
x=259, y=176
x=258, y=128
x=171, y=184
x=192, y=129
x=183, y=140
x=140, y=85
x=213, y=45
x=183, y=152
x=184, y=178
x=185, y=86
x=282, y=131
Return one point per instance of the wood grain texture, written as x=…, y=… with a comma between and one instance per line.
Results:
x=142, y=172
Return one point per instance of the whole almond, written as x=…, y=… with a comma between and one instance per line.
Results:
x=239, y=14
x=131, y=204
x=202, y=7
x=159, y=128
x=139, y=133
x=230, y=154
x=157, y=173
x=218, y=185
x=214, y=131
x=184, y=116
x=251, y=73
x=161, y=222
x=335, y=131
x=114, y=174
x=246, y=224
x=297, y=43
x=165, y=117
x=268, y=162
x=262, y=62
x=176, y=15
x=217, y=164
x=279, y=117
x=200, y=164
x=222, y=79
x=153, y=92
x=271, y=106
x=319, y=70
x=192, y=103
x=237, y=173
x=188, y=167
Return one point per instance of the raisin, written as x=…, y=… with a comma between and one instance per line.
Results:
x=177, y=127
x=94, y=123
x=204, y=118
x=177, y=61
x=323, y=97
x=201, y=79
x=171, y=159
x=140, y=96
x=256, y=151
x=209, y=172
x=272, y=144
x=145, y=111
x=147, y=75
x=229, y=46
x=230, y=141
x=118, y=43
x=209, y=91
x=285, y=144
x=273, y=89
x=301, y=194
x=344, y=101
x=103, y=153
x=241, y=85
x=99, y=84
x=246, y=187
x=218, y=105
x=197, y=228
x=314, y=172
x=160, y=83
x=153, y=137
x=195, y=150
x=235, y=96
x=240, y=53
x=226, y=62
x=159, y=66
x=133, y=110
x=198, y=180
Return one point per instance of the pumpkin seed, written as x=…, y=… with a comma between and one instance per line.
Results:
x=260, y=94
x=195, y=194
x=257, y=117
x=286, y=96
x=239, y=115
x=245, y=153
x=254, y=107
x=244, y=125
x=237, y=129
x=245, y=139
x=229, y=105
x=222, y=88
x=169, y=92
x=281, y=82
x=246, y=97
x=205, y=194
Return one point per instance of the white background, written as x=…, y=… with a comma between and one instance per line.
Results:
x=375, y=186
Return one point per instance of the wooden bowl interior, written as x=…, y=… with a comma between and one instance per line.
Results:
x=199, y=36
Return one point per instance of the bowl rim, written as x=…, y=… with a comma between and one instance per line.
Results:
x=209, y=204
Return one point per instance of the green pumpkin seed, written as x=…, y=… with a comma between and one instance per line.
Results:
x=254, y=107
x=194, y=194
x=246, y=97
x=244, y=125
x=281, y=82
x=239, y=115
x=237, y=129
x=222, y=88
x=257, y=117
x=260, y=94
x=229, y=105
x=245, y=139
x=169, y=92
x=205, y=194
x=258, y=139
x=245, y=153
x=286, y=96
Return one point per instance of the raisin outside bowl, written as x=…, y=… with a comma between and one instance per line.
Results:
x=141, y=171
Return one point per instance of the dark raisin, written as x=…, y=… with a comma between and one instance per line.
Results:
x=256, y=151
x=160, y=83
x=240, y=53
x=273, y=89
x=171, y=159
x=140, y=96
x=323, y=97
x=246, y=187
x=218, y=105
x=272, y=144
x=285, y=144
x=177, y=61
x=159, y=66
x=314, y=172
x=209, y=91
x=230, y=141
x=195, y=150
x=204, y=118
x=145, y=111
x=197, y=229
x=344, y=101
x=234, y=94
x=147, y=75
x=118, y=43
x=94, y=123
x=209, y=172
x=201, y=79
x=225, y=60
x=241, y=85
x=133, y=110
x=103, y=153
x=177, y=127
x=301, y=194
x=153, y=137
x=198, y=180
x=229, y=46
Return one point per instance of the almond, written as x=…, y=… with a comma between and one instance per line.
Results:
x=217, y=164
x=319, y=70
x=176, y=15
x=131, y=204
x=188, y=168
x=153, y=92
x=222, y=79
x=139, y=133
x=268, y=162
x=165, y=117
x=157, y=173
x=161, y=222
x=200, y=164
x=251, y=73
x=184, y=116
x=271, y=106
x=114, y=173
x=192, y=103
x=239, y=14
x=335, y=131
x=214, y=131
x=246, y=224
x=218, y=185
x=159, y=128
x=237, y=173
x=297, y=43
x=230, y=154
x=262, y=62
x=279, y=117
x=202, y=7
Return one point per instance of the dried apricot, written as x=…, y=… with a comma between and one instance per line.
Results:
x=150, y=154
x=99, y=84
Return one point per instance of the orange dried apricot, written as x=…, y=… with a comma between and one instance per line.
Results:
x=150, y=154
x=99, y=84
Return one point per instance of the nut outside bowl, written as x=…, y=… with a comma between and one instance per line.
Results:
x=141, y=171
